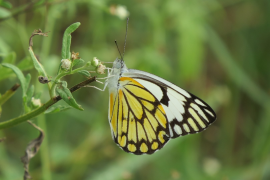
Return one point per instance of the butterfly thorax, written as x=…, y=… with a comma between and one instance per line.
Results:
x=118, y=68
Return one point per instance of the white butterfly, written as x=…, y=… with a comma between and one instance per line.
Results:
x=146, y=111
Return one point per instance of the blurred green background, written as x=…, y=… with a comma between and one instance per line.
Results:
x=217, y=50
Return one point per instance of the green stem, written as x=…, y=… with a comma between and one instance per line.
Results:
x=58, y=77
x=25, y=117
x=61, y=75
x=44, y=107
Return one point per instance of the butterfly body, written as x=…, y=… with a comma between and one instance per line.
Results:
x=146, y=111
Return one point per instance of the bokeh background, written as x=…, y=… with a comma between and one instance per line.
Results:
x=217, y=50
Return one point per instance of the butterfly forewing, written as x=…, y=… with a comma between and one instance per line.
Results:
x=186, y=113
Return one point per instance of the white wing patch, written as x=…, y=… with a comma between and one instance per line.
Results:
x=209, y=112
x=153, y=88
x=177, y=100
x=199, y=102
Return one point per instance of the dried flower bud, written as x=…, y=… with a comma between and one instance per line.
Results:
x=43, y=80
x=75, y=55
x=35, y=102
x=66, y=63
x=120, y=11
x=95, y=62
x=101, y=69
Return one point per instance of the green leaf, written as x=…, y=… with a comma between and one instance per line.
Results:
x=68, y=47
x=84, y=72
x=25, y=64
x=20, y=76
x=37, y=64
x=30, y=93
x=67, y=40
x=55, y=109
x=10, y=58
x=77, y=62
x=27, y=80
x=66, y=95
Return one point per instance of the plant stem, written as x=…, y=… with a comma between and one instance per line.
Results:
x=44, y=107
x=59, y=76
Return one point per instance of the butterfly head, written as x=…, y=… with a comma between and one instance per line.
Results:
x=119, y=66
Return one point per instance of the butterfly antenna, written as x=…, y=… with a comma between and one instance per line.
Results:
x=125, y=37
x=118, y=49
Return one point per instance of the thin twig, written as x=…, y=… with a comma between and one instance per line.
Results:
x=37, y=32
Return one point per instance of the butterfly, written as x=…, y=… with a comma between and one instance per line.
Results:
x=146, y=111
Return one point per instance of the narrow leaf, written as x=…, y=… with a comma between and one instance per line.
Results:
x=55, y=109
x=77, y=62
x=67, y=40
x=30, y=93
x=19, y=74
x=68, y=47
x=84, y=72
x=66, y=95
x=37, y=64
x=27, y=80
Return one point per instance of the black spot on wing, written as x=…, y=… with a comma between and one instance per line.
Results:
x=165, y=99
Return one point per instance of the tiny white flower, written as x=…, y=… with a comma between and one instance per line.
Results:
x=120, y=11
x=66, y=63
x=36, y=102
x=101, y=69
x=95, y=62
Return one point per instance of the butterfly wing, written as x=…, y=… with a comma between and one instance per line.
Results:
x=186, y=113
x=146, y=111
x=138, y=121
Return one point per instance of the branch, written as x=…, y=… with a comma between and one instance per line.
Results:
x=44, y=107
x=36, y=32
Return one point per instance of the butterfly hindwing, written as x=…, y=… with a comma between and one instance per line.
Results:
x=138, y=121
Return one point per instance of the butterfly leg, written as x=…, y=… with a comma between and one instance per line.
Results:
x=97, y=87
